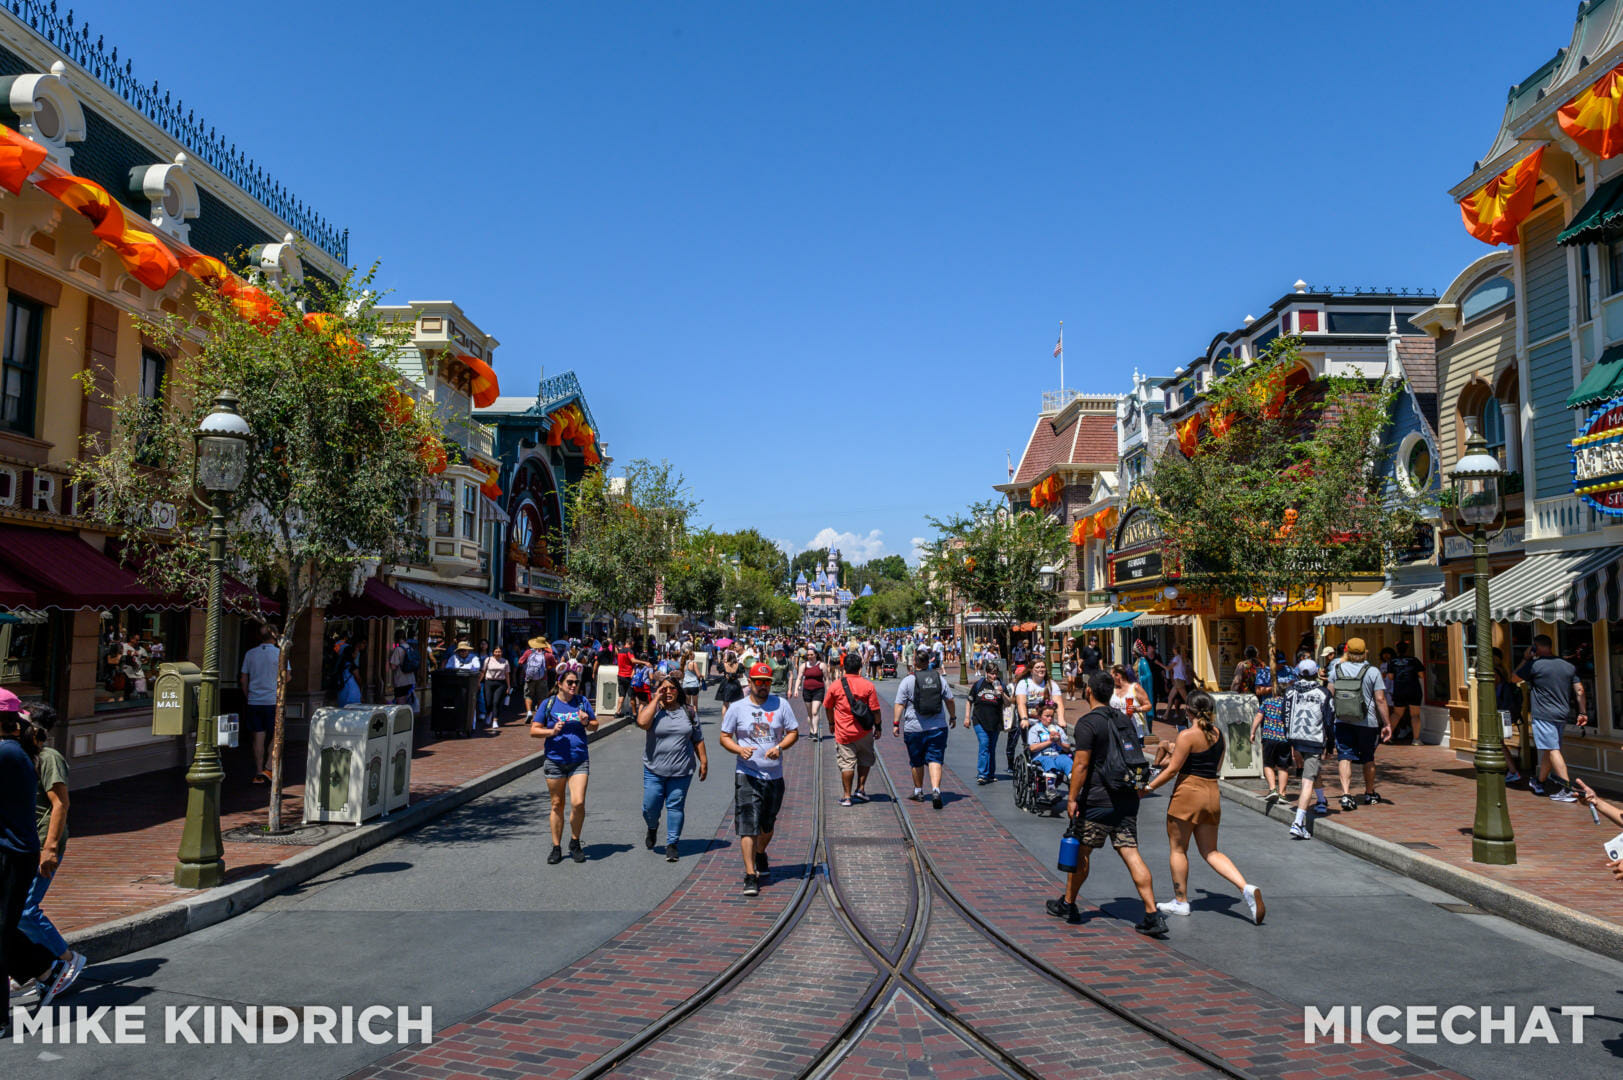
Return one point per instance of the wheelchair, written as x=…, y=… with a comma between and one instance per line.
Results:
x=1038, y=790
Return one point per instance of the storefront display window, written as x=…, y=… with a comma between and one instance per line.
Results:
x=1439, y=682
x=1575, y=643
x=133, y=644
x=25, y=653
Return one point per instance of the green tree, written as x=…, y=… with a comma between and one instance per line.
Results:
x=751, y=591
x=623, y=534
x=336, y=460
x=992, y=558
x=756, y=550
x=696, y=578
x=808, y=562
x=1293, y=474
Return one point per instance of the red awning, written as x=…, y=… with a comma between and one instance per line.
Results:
x=15, y=594
x=378, y=601
x=65, y=572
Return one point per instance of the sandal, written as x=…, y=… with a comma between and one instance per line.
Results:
x=262, y=777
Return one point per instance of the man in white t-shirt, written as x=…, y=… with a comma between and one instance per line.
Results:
x=258, y=682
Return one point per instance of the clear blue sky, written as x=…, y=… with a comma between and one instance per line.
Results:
x=783, y=243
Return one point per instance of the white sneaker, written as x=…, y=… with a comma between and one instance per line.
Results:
x=25, y=994
x=65, y=974
x=1254, y=904
x=1174, y=907
x=1563, y=796
x=1299, y=832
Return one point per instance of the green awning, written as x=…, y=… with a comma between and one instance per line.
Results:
x=1114, y=619
x=1604, y=381
x=1601, y=219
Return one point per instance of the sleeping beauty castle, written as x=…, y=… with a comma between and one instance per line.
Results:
x=824, y=605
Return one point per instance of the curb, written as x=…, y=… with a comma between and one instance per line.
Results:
x=119, y=937
x=1517, y=905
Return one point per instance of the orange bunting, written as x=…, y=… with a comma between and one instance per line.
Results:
x=398, y=407
x=147, y=258
x=19, y=157
x=319, y=322
x=491, y=488
x=485, y=388
x=590, y=455
x=1189, y=434
x=1220, y=423
x=1494, y=212
x=205, y=268
x=1594, y=119
x=431, y=452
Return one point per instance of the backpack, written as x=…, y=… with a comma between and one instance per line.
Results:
x=927, y=693
x=1262, y=678
x=1349, y=693
x=409, y=660
x=535, y=665
x=861, y=711
x=1125, y=768
x=1305, y=708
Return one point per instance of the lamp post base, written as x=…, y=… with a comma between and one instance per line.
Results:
x=201, y=864
x=1493, y=852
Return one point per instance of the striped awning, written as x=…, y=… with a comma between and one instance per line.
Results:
x=1403, y=605
x=1551, y=586
x=1080, y=619
x=448, y=601
x=1154, y=619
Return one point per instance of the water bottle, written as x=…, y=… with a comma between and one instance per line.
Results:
x=1069, y=849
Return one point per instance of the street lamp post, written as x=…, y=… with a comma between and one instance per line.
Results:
x=1476, y=488
x=1046, y=577
x=222, y=460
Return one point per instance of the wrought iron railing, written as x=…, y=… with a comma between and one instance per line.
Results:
x=75, y=41
x=559, y=387
x=1417, y=292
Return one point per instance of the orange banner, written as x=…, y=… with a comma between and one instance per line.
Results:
x=1494, y=212
x=1593, y=118
x=1189, y=434
x=19, y=157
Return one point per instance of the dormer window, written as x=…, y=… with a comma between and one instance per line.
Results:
x=47, y=111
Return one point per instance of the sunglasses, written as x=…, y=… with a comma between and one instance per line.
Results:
x=568, y=682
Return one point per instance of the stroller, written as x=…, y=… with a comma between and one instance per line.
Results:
x=887, y=665
x=1037, y=790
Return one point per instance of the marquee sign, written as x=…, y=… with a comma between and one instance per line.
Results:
x=1139, y=557
x=1597, y=459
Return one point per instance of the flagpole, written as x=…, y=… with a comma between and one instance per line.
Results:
x=1062, y=358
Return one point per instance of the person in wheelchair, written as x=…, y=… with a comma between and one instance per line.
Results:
x=1046, y=741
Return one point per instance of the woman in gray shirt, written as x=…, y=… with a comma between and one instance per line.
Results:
x=675, y=746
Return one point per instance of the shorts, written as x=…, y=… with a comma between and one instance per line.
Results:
x=554, y=770
x=849, y=756
x=1100, y=823
x=809, y=696
x=756, y=803
x=925, y=746
x=1276, y=754
x=1405, y=696
x=535, y=690
x=1196, y=800
x=1312, y=759
x=1547, y=734
x=1357, y=744
x=258, y=719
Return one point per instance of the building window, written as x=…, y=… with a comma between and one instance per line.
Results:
x=1419, y=465
x=1614, y=267
x=1492, y=427
x=470, y=510
x=153, y=368
x=1585, y=275
x=19, y=365
x=445, y=511
x=1489, y=295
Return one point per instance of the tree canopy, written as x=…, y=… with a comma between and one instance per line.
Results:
x=624, y=532
x=992, y=559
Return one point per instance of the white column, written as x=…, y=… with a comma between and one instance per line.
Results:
x=1513, y=436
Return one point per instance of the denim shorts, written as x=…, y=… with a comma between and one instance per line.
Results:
x=1547, y=734
x=925, y=746
x=1356, y=743
x=554, y=770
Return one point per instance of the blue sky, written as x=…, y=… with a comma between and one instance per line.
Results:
x=816, y=253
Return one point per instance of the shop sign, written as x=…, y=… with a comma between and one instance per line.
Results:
x=1138, y=528
x=1138, y=599
x=1145, y=566
x=1459, y=547
x=1306, y=599
x=1597, y=459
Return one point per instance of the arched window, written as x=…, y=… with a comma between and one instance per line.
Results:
x=1492, y=426
x=1485, y=297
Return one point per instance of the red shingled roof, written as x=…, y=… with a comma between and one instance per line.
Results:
x=1086, y=439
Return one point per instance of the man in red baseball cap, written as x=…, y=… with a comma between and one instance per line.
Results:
x=758, y=729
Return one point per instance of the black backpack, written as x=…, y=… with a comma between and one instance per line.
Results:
x=1124, y=768
x=861, y=711
x=927, y=692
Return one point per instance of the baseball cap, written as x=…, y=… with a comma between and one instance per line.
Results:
x=1356, y=645
x=10, y=702
x=1307, y=667
x=760, y=671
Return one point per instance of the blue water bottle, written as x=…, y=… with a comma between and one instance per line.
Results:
x=1069, y=848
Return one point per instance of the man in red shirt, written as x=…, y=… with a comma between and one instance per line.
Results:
x=628, y=665
x=853, y=741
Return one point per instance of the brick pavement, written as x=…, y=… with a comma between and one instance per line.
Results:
x=123, y=834
x=868, y=858
x=907, y=1042
x=570, y=1019
x=998, y=878
x=1432, y=804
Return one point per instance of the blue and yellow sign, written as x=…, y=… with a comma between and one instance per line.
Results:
x=1597, y=459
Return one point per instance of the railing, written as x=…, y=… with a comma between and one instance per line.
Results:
x=75, y=42
x=559, y=387
x=1563, y=515
x=1419, y=293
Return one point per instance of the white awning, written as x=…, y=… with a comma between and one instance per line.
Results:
x=1403, y=605
x=1151, y=619
x=1580, y=585
x=1076, y=622
x=987, y=618
x=449, y=601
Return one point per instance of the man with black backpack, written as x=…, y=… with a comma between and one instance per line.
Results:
x=923, y=713
x=1108, y=770
x=853, y=709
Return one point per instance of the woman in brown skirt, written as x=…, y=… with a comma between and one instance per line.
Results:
x=1197, y=807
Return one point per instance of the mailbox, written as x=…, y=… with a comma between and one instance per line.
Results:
x=174, y=698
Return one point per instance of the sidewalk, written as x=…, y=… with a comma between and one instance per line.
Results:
x=1429, y=807
x=123, y=835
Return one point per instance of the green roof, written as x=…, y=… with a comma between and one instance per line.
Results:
x=1604, y=381
x=1601, y=219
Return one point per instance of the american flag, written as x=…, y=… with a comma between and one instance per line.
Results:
x=1059, y=346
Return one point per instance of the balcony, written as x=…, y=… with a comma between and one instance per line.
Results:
x=1563, y=515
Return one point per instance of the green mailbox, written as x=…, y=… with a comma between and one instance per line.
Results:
x=174, y=698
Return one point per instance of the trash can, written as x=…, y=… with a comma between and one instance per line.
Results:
x=703, y=660
x=397, y=762
x=456, y=703
x=344, y=764
x=608, y=691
